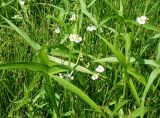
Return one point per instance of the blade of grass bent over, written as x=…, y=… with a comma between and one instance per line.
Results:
x=32, y=43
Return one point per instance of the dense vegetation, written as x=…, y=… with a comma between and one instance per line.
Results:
x=79, y=58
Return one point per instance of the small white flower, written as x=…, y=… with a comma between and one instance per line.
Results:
x=94, y=76
x=100, y=69
x=91, y=28
x=72, y=37
x=68, y=77
x=21, y=2
x=142, y=20
x=17, y=17
x=73, y=17
x=78, y=39
x=57, y=30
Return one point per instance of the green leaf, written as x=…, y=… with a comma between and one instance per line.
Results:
x=77, y=91
x=70, y=65
x=25, y=65
x=134, y=91
x=132, y=60
x=115, y=50
x=84, y=11
x=43, y=57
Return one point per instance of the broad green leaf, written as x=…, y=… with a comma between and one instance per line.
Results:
x=77, y=91
x=25, y=65
x=32, y=43
x=151, y=79
x=70, y=64
x=43, y=57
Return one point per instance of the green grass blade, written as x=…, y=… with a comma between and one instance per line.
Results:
x=134, y=91
x=137, y=75
x=149, y=62
x=25, y=65
x=84, y=11
x=151, y=79
x=32, y=43
x=151, y=27
x=91, y=3
x=115, y=50
x=77, y=91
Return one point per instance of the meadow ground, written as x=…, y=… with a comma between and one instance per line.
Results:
x=79, y=58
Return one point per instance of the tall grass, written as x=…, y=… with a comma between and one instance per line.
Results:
x=37, y=64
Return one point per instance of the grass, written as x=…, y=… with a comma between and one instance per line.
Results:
x=33, y=55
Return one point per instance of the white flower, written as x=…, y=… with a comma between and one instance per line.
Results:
x=17, y=17
x=73, y=17
x=21, y=2
x=142, y=20
x=68, y=77
x=91, y=28
x=94, y=76
x=100, y=69
x=72, y=37
x=76, y=38
x=57, y=30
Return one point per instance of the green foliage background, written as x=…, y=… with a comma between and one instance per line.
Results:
x=32, y=55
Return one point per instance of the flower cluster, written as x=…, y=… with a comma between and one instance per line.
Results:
x=99, y=69
x=76, y=38
x=66, y=76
